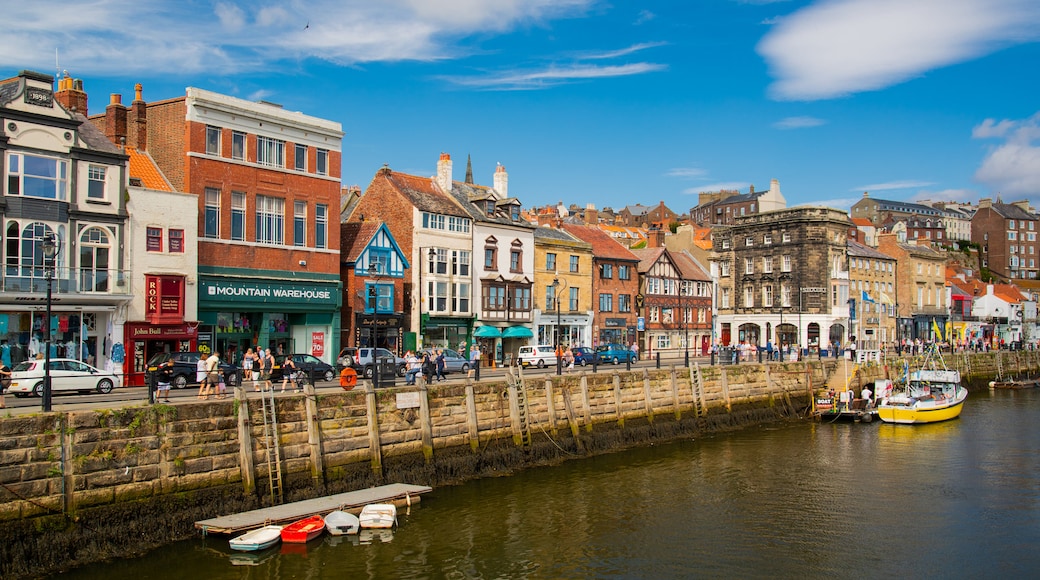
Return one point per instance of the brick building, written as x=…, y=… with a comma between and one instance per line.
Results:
x=921, y=294
x=676, y=302
x=615, y=286
x=373, y=270
x=723, y=207
x=267, y=187
x=1007, y=233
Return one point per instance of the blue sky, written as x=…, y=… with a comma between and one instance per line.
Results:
x=603, y=102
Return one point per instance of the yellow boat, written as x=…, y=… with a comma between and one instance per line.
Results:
x=931, y=396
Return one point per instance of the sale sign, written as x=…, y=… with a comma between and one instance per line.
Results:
x=318, y=344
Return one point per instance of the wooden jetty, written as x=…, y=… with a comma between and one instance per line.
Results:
x=398, y=493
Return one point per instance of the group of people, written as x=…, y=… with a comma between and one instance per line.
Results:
x=211, y=380
x=431, y=365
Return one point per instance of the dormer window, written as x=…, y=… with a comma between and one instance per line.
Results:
x=514, y=212
x=490, y=207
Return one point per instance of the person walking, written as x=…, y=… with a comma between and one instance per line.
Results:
x=5, y=381
x=266, y=369
x=163, y=378
x=200, y=374
x=428, y=366
x=635, y=350
x=289, y=374
x=474, y=358
x=440, y=365
x=247, y=366
x=213, y=375
x=413, y=367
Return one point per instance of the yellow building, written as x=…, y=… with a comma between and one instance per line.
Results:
x=566, y=261
x=872, y=285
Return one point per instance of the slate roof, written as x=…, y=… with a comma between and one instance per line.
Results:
x=603, y=246
x=93, y=137
x=544, y=233
x=463, y=193
x=355, y=237
x=422, y=193
x=907, y=207
x=859, y=250
x=1012, y=212
x=8, y=90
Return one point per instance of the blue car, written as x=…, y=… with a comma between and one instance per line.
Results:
x=583, y=355
x=614, y=353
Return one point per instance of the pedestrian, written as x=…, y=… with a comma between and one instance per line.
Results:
x=428, y=366
x=568, y=358
x=258, y=365
x=474, y=358
x=213, y=375
x=5, y=381
x=635, y=350
x=439, y=360
x=247, y=365
x=413, y=367
x=200, y=374
x=163, y=378
x=289, y=373
x=267, y=368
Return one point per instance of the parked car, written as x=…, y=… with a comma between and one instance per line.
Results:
x=583, y=355
x=310, y=364
x=614, y=353
x=347, y=358
x=453, y=361
x=185, y=366
x=363, y=361
x=66, y=375
x=541, y=356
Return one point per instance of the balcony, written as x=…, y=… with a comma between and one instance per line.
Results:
x=88, y=281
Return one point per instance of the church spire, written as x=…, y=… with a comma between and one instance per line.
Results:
x=469, y=170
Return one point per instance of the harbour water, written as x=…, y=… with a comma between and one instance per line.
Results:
x=959, y=499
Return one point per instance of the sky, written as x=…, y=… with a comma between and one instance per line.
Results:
x=603, y=102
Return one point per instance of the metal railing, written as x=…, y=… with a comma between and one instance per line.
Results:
x=66, y=280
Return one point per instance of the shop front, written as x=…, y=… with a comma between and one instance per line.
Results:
x=447, y=332
x=616, y=331
x=236, y=314
x=145, y=340
x=379, y=330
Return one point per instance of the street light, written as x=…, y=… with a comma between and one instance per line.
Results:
x=559, y=354
x=373, y=298
x=50, y=252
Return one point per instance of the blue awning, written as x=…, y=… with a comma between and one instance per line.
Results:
x=517, y=332
x=487, y=332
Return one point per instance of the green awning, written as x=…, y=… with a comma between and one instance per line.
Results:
x=487, y=332
x=517, y=332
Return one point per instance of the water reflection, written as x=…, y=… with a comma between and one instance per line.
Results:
x=955, y=499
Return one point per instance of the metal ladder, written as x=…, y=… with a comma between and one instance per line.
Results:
x=272, y=447
x=698, y=386
x=521, y=402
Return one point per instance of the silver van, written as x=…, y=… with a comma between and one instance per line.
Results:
x=541, y=356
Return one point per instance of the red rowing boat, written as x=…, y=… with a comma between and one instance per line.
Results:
x=304, y=530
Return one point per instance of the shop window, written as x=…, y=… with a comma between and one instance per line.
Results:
x=153, y=237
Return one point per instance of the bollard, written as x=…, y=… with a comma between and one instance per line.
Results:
x=595, y=362
x=759, y=355
x=711, y=358
x=628, y=362
x=152, y=381
x=657, y=356
x=686, y=359
x=476, y=369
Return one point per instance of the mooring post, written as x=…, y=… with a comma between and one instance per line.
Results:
x=245, y=442
x=586, y=404
x=426, y=422
x=310, y=404
x=374, y=447
x=471, y=417
x=648, y=403
x=550, y=405
x=617, y=400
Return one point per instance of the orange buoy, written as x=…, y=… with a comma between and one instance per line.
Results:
x=348, y=378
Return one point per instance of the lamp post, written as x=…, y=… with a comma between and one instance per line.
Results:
x=685, y=324
x=50, y=253
x=556, y=298
x=373, y=298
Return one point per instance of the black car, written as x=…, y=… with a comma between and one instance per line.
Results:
x=310, y=364
x=185, y=368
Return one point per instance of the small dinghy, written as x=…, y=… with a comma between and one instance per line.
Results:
x=305, y=530
x=340, y=523
x=259, y=539
x=378, y=515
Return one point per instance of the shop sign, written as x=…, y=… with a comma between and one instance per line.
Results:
x=220, y=292
x=318, y=344
x=378, y=321
x=641, y=323
x=154, y=331
x=615, y=322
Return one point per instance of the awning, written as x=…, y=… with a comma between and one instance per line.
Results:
x=487, y=332
x=517, y=332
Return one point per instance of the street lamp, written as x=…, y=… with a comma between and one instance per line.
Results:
x=50, y=253
x=373, y=299
x=556, y=298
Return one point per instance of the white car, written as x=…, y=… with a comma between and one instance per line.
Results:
x=540, y=355
x=66, y=375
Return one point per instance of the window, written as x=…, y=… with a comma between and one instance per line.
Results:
x=212, y=140
x=494, y=297
x=460, y=299
x=550, y=262
x=95, y=182
x=767, y=265
x=457, y=224
x=606, y=302
x=211, y=220
x=785, y=296
x=153, y=238
x=1011, y=224
x=176, y=241
x=238, y=215
x=550, y=298
x=786, y=267
x=653, y=285
x=574, y=265
x=321, y=226
x=321, y=165
x=270, y=220
x=655, y=314
x=724, y=269
x=767, y=239
x=606, y=271
x=270, y=152
x=767, y=295
x=433, y=221
x=749, y=241
x=33, y=176
x=624, y=272
x=94, y=250
x=521, y=296
x=785, y=237
x=380, y=298
x=514, y=261
x=299, y=223
x=300, y=163
x=749, y=297
x=238, y=145
x=724, y=298
x=749, y=265
x=438, y=296
x=490, y=258
x=439, y=265
x=380, y=258
x=624, y=303
x=460, y=262
x=572, y=302
x=1012, y=235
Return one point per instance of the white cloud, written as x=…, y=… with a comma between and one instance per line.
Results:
x=623, y=51
x=644, y=17
x=1012, y=167
x=552, y=76
x=798, y=122
x=843, y=203
x=889, y=185
x=964, y=195
x=687, y=172
x=713, y=187
x=838, y=47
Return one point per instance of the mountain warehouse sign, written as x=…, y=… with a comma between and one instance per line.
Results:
x=256, y=291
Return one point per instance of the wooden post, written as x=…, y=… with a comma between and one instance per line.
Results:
x=585, y=401
x=617, y=400
x=471, y=417
x=725, y=391
x=648, y=403
x=245, y=442
x=426, y=422
x=675, y=393
x=374, y=446
x=66, y=440
x=550, y=407
x=514, y=411
x=310, y=404
x=568, y=408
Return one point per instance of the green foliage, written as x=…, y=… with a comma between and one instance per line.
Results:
x=674, y=227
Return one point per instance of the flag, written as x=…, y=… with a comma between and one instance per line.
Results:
x=866, y=297
x=886, y=299
x=938, y=331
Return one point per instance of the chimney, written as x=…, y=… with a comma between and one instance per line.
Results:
x=501, y=181
x=774, y=187
x=591, y=215
x=752, y=189
x=444, y=173
x=1023, y=205
x=985, y=203
x=655, y=238
x=139, y=120
x=70, y=94
x=115, y=120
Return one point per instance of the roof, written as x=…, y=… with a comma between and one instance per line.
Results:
x=863, y=222
x=553, y=234
x=355, y=237
x=143, y=167
x=603, y=246
x=688, y=267
x=90, y=135
x=648, y=257
x=422, y=193
x=1012, y=212
x=466, y=194
x=906, y=207
x=859, y=250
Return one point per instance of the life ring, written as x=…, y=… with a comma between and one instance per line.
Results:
x=348, y=378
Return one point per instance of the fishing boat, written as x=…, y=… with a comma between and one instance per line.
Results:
x=930, y=394
x=378, y=515
x=305, y=530
x=258, y=539
x=340, y=523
